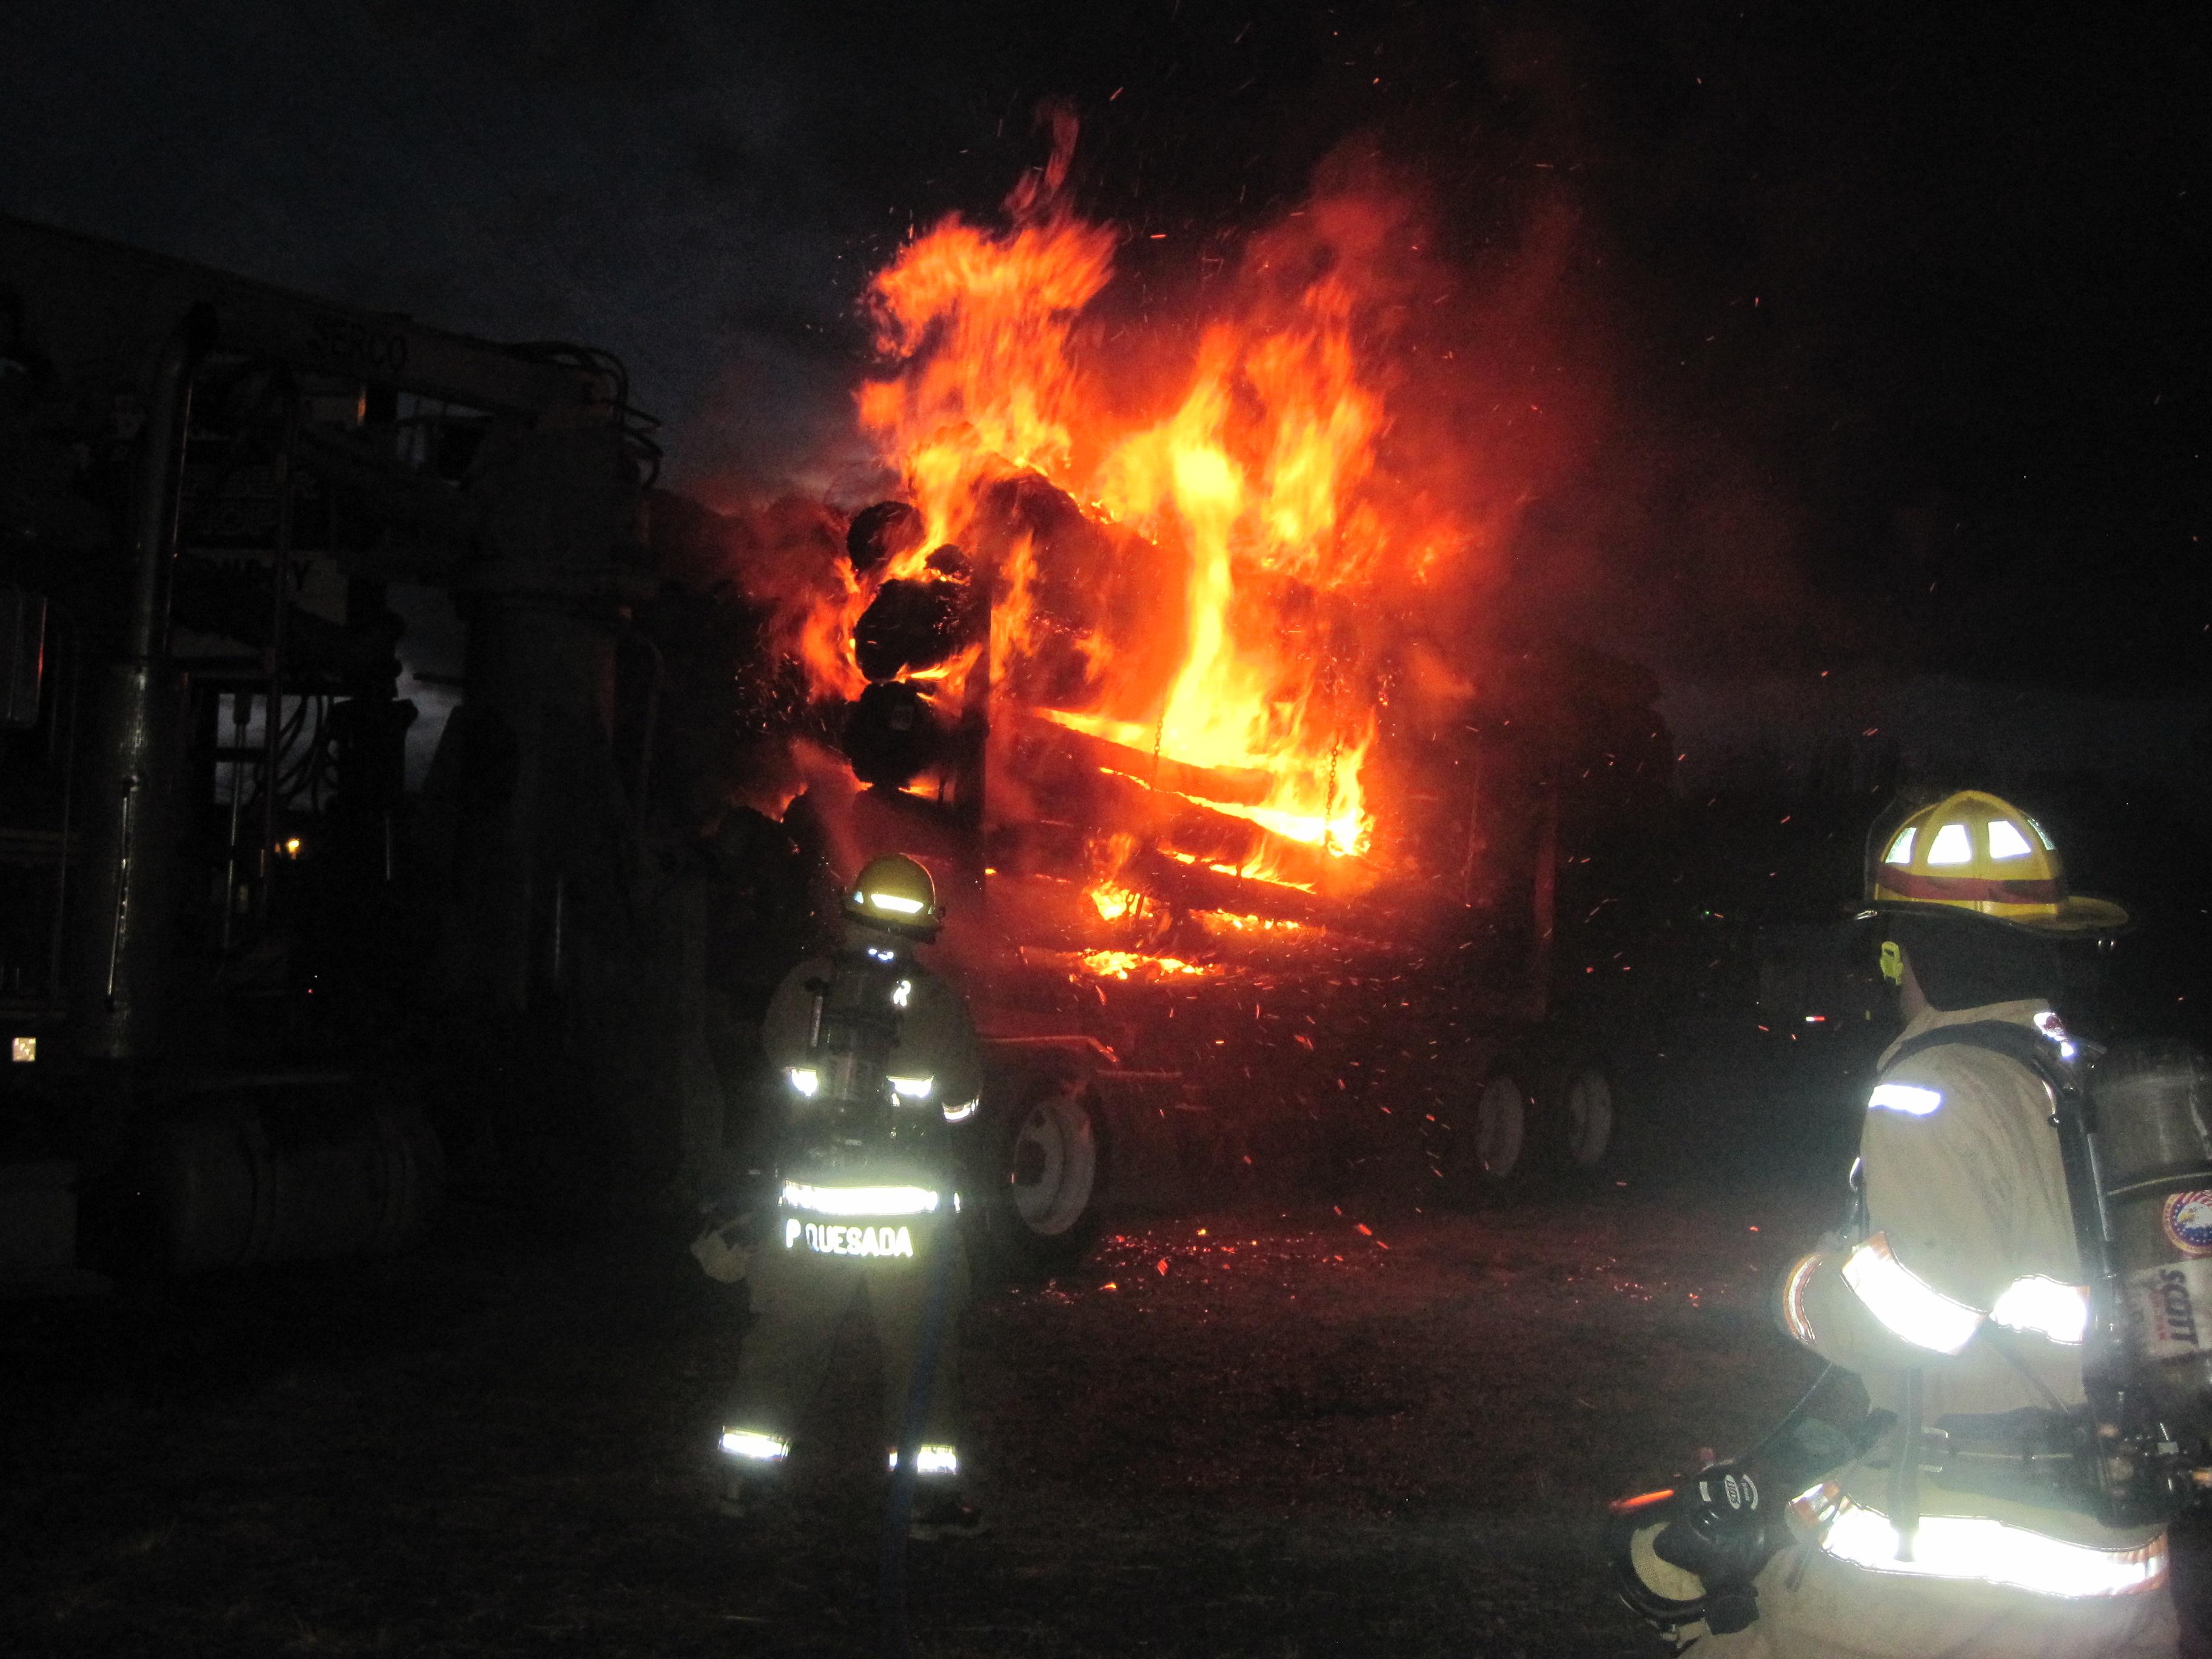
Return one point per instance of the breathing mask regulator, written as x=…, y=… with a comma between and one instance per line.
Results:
x=1685, y=1558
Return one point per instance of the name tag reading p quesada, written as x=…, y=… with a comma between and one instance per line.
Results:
x=825, y=1238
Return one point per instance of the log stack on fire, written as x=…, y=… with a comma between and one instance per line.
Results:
x=1156, y=611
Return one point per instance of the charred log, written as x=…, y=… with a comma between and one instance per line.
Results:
x=880, y=533
x=1238, y=786
x=914, y=622
x=894, y=733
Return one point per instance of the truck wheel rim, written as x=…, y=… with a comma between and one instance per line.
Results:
x=1055, y=1145
x=1588, y=1105
x=1500, y=1124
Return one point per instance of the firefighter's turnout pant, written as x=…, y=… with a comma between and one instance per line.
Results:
x=804, y=1279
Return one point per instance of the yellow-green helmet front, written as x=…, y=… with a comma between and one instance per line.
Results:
x=894, y=892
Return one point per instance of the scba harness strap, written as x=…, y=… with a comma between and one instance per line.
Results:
x=2051, y=1457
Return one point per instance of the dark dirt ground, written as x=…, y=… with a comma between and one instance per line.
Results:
x=1328, y=1429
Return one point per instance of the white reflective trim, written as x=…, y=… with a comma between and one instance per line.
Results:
x=1952, y=845
x=836, y=1238
x=791, y=1227
x=913, y=1088
x=762, y=1448
x=804, y=1079
x=860, y=1201
x=961, y=1113
x=1976, y=1549
x=928, y=1459
x=892, y=902
x=1904, y=1097
x=1912, y=1308
x=901, y=993
x=881, y=955
x=2047, y=1307
x=1900, y=850
x=2006, y=842
x=1793, y=1299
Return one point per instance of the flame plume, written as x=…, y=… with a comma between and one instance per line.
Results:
x=1241, y=518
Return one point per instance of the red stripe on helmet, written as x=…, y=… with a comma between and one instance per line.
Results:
x=1970, y=890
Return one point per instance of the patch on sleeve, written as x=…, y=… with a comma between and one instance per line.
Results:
x=2187, y=1218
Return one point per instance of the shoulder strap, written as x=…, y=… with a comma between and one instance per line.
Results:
x=1997, y=1036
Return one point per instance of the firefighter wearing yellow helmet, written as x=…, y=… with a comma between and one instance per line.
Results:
x=880, y=1067
x=1970, y=1524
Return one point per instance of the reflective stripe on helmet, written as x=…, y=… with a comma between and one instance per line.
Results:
x=1906, y=1304
x=1976, y=1549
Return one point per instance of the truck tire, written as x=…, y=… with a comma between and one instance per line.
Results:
x=1489, y=1141
x=1047, y=1176
x=1586, y=1116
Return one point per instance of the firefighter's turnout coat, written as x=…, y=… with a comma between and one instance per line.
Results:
x=866, y=1200
x=1957, y=1295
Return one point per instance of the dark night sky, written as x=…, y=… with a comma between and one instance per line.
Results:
x=1900, y=314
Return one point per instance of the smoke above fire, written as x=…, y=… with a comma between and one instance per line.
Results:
x=1223, y=522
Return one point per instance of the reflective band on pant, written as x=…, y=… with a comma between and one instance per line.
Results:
x=860, y=1201
x=2047, y=1307
x=761, y=1448
x=1975, y=1548
x=930, y=1459
x=1906, y=1303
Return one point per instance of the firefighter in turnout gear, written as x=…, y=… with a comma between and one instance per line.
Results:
x=1957, y=1292
x=881, y=1068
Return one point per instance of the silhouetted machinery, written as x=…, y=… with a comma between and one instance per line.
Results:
x=210, y=909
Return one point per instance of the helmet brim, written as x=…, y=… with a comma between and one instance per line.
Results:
x=2080, y=916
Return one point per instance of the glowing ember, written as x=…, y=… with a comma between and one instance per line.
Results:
x=1236, y=924
x=1122, y=964
x=1114, y=902
x=1244, y=873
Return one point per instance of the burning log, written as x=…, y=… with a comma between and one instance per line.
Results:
x=881, y=533
x=1196, y=887
x=893, y=733
x=914, y=622
x=1237, y=786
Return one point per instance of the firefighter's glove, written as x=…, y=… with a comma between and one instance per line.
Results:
x=719, y=1254
x=1721, y=1536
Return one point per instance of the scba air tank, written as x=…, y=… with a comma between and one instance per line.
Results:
x=2154, y=1147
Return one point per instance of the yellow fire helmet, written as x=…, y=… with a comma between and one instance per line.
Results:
x=1975, y=852
x=894, y=892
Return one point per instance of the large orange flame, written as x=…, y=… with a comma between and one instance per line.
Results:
x=1251, y=466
